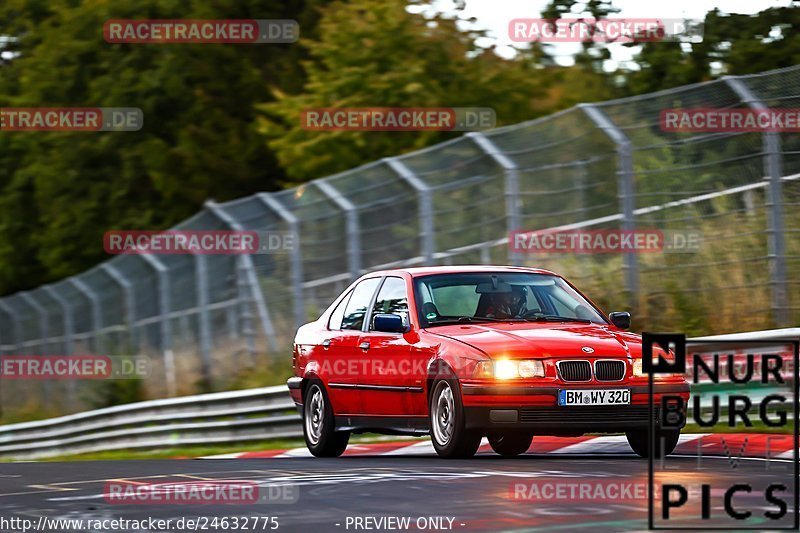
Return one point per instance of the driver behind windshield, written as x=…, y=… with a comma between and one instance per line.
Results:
x=511, y=304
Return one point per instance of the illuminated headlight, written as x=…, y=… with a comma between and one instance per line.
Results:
x=510, y=369
x=530, y=369
x=505, y=369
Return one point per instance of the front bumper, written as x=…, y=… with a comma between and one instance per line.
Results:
x=535, y=409
x=295, y=386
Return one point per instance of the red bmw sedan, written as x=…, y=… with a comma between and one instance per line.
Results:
x=471, y=351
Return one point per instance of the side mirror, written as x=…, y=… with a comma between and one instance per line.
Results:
x=621, y=319
x=388, y=323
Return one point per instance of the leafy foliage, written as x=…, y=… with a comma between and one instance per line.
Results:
x=222, y=121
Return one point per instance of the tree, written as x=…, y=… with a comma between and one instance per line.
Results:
x=61, y=191
x=375, y=53
x=731, y=44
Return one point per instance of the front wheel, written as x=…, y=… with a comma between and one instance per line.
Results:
x=318, y=425
x=449, y=434
x=510, y=444
x=665, y=442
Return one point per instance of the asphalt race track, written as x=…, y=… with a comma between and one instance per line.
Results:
x=476, y=494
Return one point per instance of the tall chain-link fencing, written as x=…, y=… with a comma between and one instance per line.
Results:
x=204, y=319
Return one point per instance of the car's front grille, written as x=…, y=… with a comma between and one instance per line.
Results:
x=609, y=370
x=575, y=370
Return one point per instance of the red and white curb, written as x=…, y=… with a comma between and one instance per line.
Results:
x=753, y=445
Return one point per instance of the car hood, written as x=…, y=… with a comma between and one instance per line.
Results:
x=569, y=339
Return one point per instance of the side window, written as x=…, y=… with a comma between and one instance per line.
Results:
x=356, y=308
x=392, y=298
x=335, y=321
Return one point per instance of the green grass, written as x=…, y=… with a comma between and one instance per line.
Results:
x=176, y=452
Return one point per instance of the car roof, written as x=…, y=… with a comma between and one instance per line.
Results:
x=455, y=269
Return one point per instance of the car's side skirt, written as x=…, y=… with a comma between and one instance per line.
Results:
x=393, y=425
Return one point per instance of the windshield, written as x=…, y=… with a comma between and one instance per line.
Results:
x=467, y=297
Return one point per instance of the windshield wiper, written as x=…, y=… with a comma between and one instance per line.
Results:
x=540, y=318
x=462, y=319
x=555, y=318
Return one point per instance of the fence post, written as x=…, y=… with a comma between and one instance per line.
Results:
x=773, y=168
x=625, y=191
x=164, y=308
x=44, y=330
x=16, y=329
x=66, y=309
x=96, y=313
x=247, y=275
x=201, y=282
x=353, y=230
x=425, y=202
x=580, y=185
x=511, y=171
x=130, y=300
x=44, y=334
x=296, y=256
x=244, y=297
x=69, y=331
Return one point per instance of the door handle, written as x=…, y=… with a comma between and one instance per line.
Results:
x=364, y=346
x=326, y=343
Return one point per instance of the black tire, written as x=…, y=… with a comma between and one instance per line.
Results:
x=318, y=424
x=449, y=434
x=665, y=443
x=510, y=444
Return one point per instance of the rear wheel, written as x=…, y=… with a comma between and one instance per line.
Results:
x=318, y=424
x=510, y=444
x=449, y=434
x=665, y=442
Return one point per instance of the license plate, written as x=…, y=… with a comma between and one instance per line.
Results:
x=594, y=397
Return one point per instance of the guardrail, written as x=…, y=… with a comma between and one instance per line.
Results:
x=223, y=417
x=235, y=416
